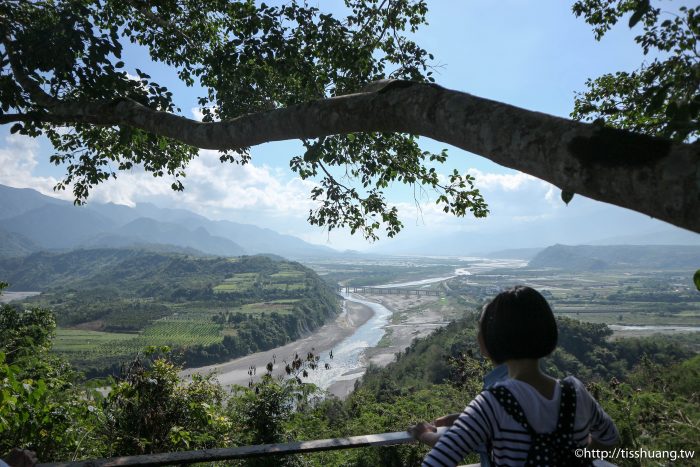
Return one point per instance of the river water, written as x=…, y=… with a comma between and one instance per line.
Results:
x=348, y=362
x=650, y=329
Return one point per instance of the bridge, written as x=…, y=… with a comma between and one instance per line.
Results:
x=390, y=291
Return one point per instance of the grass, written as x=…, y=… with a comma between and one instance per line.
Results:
x=238, y=283
x=285, y=280
x=278, y=306
x=180, y=332
x=88, y=348
x=78, y=340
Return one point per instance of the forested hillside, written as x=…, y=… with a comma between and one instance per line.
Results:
x=109, y=304
x=654, y=402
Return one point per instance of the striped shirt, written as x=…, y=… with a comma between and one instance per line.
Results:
x=484, y=420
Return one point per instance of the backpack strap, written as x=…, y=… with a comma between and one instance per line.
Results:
x=554, y=448
x=567, y=408
x=511, y=405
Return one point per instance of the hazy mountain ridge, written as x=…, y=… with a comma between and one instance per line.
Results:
x=37, y=222
x=601, y=257
x=54, y=227
x=13, y=244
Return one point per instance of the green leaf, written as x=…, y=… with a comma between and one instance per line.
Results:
x=567, y=196
x=642, y=8
x=696, y=279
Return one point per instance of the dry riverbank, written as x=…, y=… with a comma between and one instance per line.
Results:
x=320, y=341
x=413, y=317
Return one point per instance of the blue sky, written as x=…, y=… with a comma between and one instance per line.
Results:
x=531, y=54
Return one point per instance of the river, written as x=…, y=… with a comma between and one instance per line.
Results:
x=348, y=362
x=628, y=330
x=8, y=297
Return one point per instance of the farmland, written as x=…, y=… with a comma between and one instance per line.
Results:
x=207, y=309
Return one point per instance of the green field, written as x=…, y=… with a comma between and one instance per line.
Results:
x=78, y=340
x=238, y=283
x=285, y=280
x=278, y=306
x=206, y=309
x=90, y=346
x=631, y=297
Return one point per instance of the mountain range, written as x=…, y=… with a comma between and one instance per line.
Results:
x=30, y=222
x=624, y=257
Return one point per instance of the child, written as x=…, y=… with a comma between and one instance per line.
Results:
x=530, y=418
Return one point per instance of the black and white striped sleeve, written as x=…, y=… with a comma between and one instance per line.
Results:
x=471, y=430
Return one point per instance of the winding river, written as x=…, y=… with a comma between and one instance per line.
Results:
x=348, y=362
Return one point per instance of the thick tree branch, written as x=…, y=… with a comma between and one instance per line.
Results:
x=649, y=175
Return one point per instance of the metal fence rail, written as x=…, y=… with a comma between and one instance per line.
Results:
x=261, y=450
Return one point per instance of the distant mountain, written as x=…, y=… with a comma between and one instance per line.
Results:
x=56, y=226
x=14, y=244
x=51, y=224
x=257, y=240
x=591, y=224
x=597, y=258
x=144, y=230
x=16, y=201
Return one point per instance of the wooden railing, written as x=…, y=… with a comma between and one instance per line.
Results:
x=243, y=452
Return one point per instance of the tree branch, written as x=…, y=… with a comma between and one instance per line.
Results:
x=27, y=83
x=649, y=175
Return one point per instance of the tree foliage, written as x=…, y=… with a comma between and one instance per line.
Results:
x=662, y=97
x=292, y=71
x=248, y=58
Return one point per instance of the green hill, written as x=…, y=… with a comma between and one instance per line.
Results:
x=597, y=258
x=110, y=303
x=13, y=244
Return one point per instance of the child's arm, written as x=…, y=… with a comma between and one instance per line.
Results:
x=447, y=420
x=425, y=433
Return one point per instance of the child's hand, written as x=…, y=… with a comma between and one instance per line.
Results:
x=423, y=427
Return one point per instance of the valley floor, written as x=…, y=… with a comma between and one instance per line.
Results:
x=324, y=339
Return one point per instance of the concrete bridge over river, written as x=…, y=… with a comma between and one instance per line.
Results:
x=390, y=291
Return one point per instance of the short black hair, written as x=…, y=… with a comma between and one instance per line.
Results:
x=518, y=323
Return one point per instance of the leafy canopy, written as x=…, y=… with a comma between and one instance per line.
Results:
x=247, y=57
x=252, y=57
x=662, y=97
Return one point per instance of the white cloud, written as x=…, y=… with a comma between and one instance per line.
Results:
x=273, y=197
x=505, y=182
x=18, y=162
x=215, y=189
x=197, y=113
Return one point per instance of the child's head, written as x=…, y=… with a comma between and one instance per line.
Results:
x=517, y=324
